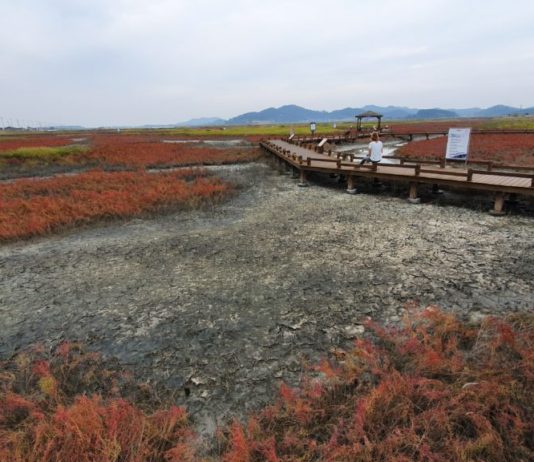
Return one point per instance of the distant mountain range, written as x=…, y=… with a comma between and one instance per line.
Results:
x=297, y=114
x=203, y=122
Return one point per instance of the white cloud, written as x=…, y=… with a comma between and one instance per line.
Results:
x=130, y=61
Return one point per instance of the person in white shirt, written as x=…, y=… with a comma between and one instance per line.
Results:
x=376, y=148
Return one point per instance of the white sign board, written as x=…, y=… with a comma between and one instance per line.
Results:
x=458, y=143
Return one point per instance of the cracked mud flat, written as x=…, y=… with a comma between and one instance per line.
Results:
x=224, y=303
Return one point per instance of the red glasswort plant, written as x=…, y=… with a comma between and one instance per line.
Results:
x=432, y=390
x=90, y=414
x=13, y=143
x=147, y=151
x=119, y=150
x=505, y=149
x=29, y=207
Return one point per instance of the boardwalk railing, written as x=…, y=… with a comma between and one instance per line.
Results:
x=349, y=137
x=303, y=159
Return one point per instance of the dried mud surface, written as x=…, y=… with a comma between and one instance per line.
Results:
x=223, y=303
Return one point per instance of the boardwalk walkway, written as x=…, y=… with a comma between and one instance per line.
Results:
x=304, y=159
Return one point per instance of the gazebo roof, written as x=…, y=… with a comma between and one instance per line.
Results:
x=369, y=114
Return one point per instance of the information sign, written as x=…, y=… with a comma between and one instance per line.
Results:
x=458, y=143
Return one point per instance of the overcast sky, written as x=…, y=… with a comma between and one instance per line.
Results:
x=105, y=62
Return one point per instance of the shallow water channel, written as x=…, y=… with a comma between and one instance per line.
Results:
x=360, y=149
x=215, y=143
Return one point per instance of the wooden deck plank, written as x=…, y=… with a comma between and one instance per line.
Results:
x=501, y=180
x=459, y=179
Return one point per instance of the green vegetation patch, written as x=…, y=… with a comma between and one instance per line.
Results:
x=248, y=130
x=43, y=153
x=510, y=123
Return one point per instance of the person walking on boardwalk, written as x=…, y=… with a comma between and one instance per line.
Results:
x=376, y=148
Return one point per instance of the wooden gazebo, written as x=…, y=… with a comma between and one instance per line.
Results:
x=365, y=115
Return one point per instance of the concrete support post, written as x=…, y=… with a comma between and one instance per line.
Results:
x=351, y=185
x=499, y=205
x=412, y=198
x=303, y=181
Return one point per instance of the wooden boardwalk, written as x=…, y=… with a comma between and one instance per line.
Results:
x=405, y=135
x=304, y=160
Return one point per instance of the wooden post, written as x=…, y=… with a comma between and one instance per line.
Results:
x=499, y=205
x=303, y=183
x=412, y=198
x=351, y=185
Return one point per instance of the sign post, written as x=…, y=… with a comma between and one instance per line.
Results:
x=458, y=143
